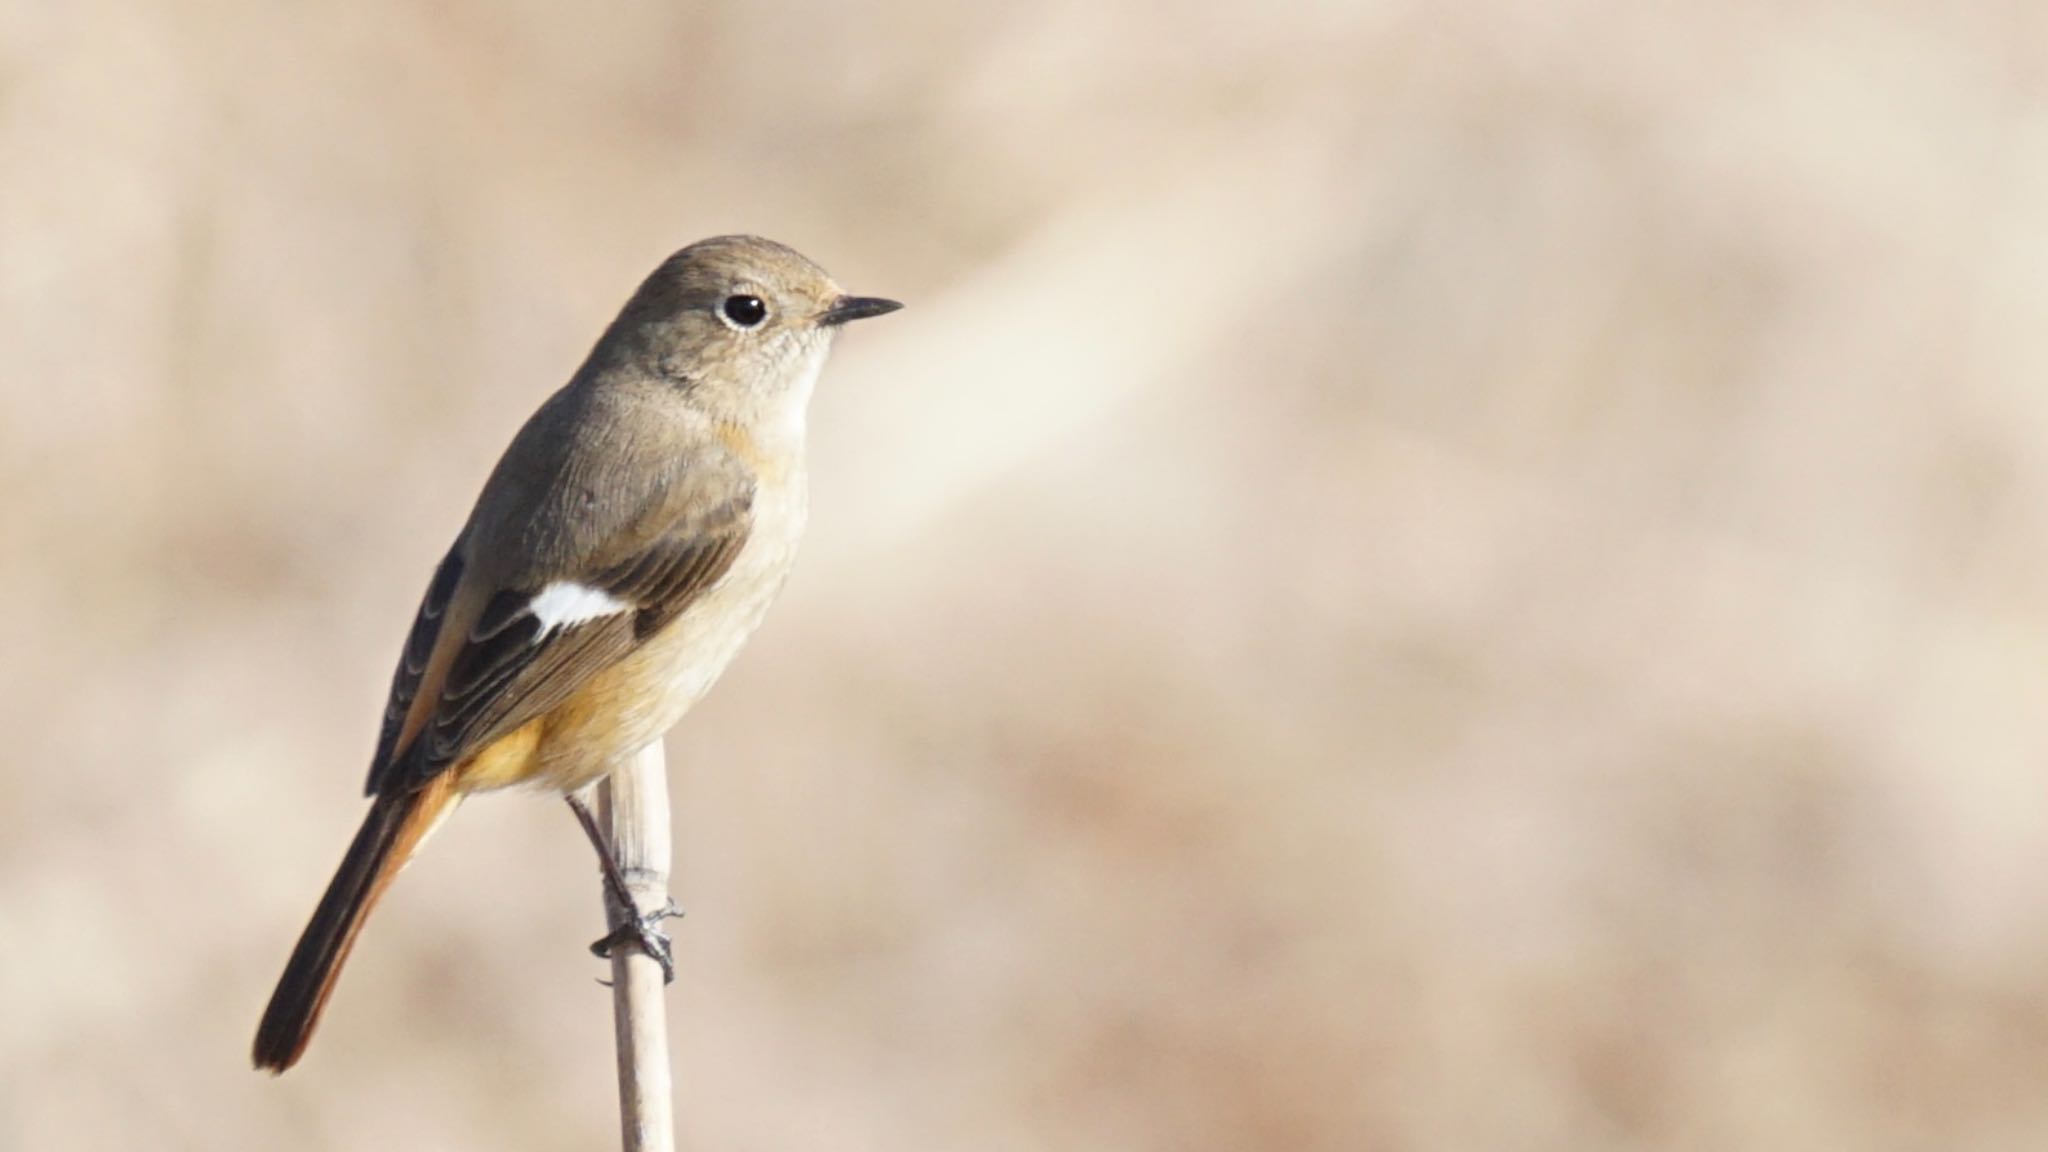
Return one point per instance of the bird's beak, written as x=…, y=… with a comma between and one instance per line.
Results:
x=855, y=308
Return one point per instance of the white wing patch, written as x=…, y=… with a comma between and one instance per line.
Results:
x=565, y=602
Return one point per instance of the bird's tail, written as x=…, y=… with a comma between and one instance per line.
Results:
x=390, y=834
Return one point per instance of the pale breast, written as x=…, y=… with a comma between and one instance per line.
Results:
x=637, y=700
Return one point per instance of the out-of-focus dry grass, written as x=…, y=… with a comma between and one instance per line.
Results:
x=1415, y=577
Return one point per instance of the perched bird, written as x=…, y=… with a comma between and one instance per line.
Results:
x=625, y=546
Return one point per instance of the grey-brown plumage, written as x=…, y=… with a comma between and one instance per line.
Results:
x=626, y=545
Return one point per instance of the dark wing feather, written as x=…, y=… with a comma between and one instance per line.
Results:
x=509, y=671
x=412, y=663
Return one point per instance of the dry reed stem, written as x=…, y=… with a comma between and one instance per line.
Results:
x=633, y=806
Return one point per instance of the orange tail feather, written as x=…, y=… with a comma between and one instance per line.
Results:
x=390, y=834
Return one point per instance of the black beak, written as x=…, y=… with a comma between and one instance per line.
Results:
x=856, y=308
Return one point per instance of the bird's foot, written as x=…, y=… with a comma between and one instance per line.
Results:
x=643, y=931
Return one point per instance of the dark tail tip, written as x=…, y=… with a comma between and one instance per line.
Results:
x=279, y=1049
x=316, y=961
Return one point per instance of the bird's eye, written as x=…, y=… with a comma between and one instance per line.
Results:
x=743, y=311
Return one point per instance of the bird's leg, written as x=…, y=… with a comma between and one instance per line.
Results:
x=633, y=926
x=618, y=895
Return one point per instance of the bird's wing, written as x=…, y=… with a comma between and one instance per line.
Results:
x=412, y=661
x=482, y=661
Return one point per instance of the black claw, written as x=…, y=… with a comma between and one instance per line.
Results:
x=644, y=932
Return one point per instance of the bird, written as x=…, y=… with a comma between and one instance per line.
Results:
x=626, y=545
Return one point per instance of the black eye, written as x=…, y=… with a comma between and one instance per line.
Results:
x=744, y=311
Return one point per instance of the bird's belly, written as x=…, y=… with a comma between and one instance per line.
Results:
x=636, y=701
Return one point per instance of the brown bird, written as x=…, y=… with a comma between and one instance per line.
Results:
x=625, y=547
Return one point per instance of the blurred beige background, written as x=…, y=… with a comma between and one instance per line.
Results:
x=1415, y=577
